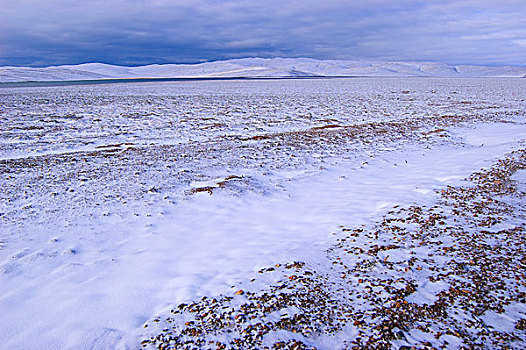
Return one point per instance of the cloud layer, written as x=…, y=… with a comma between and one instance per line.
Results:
x=135, y=32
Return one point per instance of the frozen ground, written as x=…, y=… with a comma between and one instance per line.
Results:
x=122, y=200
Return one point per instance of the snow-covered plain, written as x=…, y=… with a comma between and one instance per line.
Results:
x=122, y=200
x=257, y=67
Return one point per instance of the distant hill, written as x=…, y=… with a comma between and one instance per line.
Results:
x=257, y=67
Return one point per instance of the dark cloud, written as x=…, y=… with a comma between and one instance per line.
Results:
x=161, y=31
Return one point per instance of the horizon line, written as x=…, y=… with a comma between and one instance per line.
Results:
x=371, y=60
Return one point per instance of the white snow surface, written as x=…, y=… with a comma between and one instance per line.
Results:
x=92, y=283
x=257, y=67
x=100, y=294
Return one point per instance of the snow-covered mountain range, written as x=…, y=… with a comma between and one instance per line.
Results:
x=256, y=67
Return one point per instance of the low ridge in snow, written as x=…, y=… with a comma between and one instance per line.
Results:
x=257, y=68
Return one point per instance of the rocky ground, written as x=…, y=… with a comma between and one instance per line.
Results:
x=120, y=200
x=451, y=275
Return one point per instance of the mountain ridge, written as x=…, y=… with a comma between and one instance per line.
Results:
x=255, y=67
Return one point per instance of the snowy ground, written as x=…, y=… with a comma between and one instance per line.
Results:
x=120, y=201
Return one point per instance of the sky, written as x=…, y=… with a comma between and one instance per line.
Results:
x=138, y=32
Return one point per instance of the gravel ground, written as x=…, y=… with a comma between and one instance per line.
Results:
x=93, y=177
x=446, y=276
